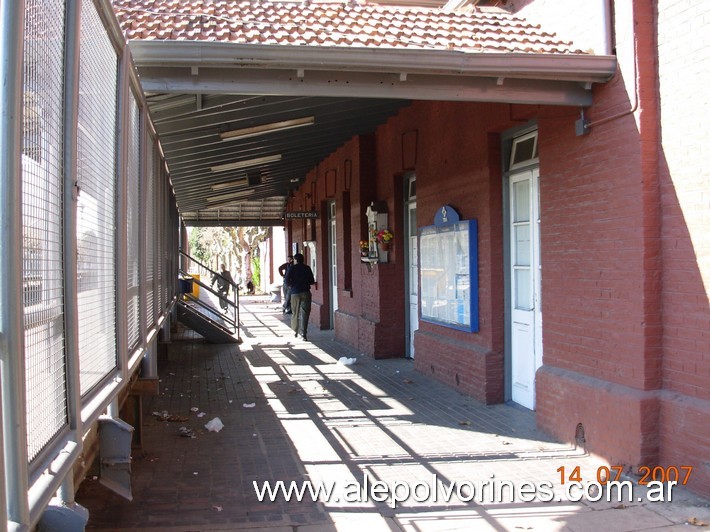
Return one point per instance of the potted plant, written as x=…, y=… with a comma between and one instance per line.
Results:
x=364, y=248
x=384, y=239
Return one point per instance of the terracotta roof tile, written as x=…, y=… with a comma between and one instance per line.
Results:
x=333, y=24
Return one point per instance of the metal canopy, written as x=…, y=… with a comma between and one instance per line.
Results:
x=254, y=193
x=199, y=90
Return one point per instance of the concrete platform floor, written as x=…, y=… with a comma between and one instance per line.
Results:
x=292, y=412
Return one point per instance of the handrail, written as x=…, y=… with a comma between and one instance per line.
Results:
x=231, y=302
x=235, y=285
x=222, y=318
x=208, y=307
x=230, y=321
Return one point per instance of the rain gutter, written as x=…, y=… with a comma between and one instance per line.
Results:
x=569, y=67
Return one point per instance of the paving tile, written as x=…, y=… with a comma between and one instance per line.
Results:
x=318, y=420
x=623, y=520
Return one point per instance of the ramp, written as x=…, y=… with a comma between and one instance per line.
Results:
x=210, y=329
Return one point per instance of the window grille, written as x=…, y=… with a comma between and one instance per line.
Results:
x=149, y=234
x=42, y=189
x=96, y=168
x=133, y=230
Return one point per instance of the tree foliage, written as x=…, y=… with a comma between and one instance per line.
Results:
x=233, y=246
x=245, y=241
x=197, y=246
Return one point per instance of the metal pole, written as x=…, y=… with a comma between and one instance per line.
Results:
x=12, y=337
x=112, y=409
x=121, y=215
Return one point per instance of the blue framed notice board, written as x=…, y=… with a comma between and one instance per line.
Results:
x=448, y=273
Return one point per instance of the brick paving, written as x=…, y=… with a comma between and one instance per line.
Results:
x=316, y=419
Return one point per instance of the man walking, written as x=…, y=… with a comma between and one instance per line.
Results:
x=299, y=277
x=286, y=289
x=224, y=282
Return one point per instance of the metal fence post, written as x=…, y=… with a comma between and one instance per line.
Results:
x=12, y=345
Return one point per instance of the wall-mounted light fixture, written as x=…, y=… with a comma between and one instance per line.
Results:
x=244, y=164
x=263, y=129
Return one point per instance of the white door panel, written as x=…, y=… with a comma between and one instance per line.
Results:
x=526, y=317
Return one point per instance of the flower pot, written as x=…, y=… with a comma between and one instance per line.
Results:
x=384, y=246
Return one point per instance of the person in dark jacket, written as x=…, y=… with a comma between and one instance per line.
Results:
x=299, y=277
x=224, y=282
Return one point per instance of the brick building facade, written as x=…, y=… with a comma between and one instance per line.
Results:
x=624, y=245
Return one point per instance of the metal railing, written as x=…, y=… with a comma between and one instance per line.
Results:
x=228, y=314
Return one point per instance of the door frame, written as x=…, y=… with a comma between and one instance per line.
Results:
x=332, y=239
x=408, y=177
x=507, y=144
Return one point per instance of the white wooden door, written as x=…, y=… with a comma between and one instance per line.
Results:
x=526, y=316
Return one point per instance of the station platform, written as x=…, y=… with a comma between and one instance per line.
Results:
x=321, y=412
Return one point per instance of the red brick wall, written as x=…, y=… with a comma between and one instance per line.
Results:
x=620, y=422
x=624, y=247
x=685, y=187
x=625, y=233
x=457, y=162
x=458, y=166
x=600, y=291
x=684, y=439
x=685, y=192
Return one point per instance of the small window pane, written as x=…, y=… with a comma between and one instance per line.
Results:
x=521, y=201
x=523, y=293
x=522, y=245
x=524, y=149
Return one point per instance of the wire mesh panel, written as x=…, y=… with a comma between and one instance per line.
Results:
x=97, y=198
x=159, y=241
x=167, y=242
x=149, y=234
x=133, y=230
x=42, y=178
x=172, y=247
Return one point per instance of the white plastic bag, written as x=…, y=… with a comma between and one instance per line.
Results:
x=345, y=361
x=214, y=425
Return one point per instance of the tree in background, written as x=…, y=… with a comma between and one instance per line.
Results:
x=198, y=249
x=211, y=246
x=246, y=241
x=256, y=268
x=237, y=247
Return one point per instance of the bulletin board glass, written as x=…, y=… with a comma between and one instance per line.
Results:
x=448, y=275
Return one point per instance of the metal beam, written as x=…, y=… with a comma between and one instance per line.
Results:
x=335, y=113
x=450, y=87
x=232, y=222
